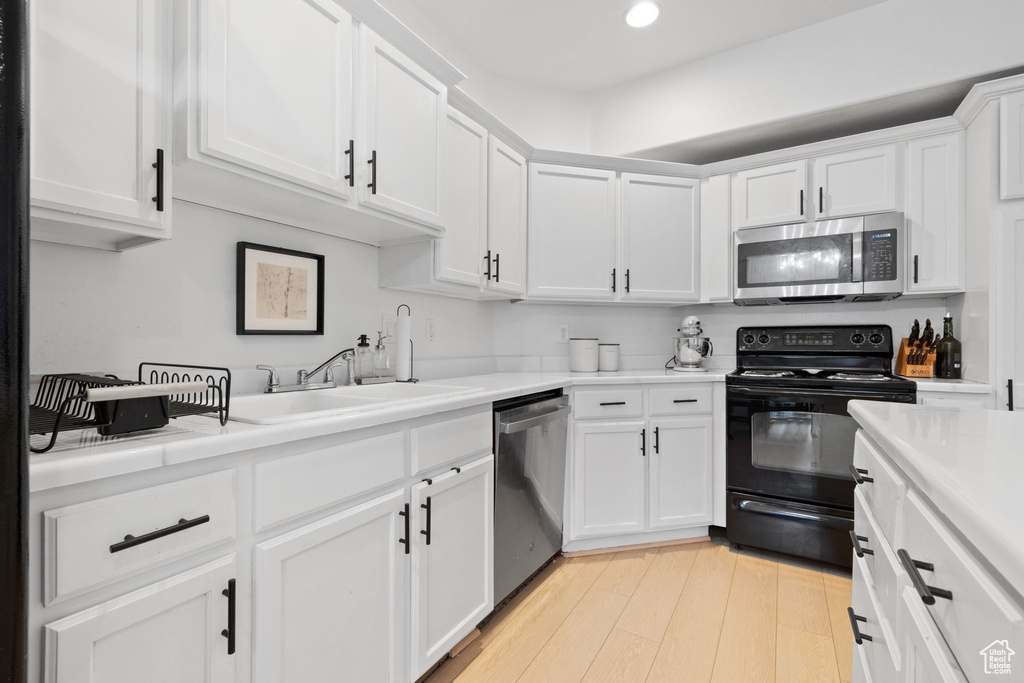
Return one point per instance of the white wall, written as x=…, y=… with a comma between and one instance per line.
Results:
x=174, y=302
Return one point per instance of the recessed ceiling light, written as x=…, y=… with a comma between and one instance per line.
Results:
x=643, y=13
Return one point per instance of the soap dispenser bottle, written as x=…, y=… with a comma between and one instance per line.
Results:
x=381, y=358
x=364, y=359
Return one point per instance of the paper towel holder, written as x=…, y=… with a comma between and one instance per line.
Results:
x=412, y=349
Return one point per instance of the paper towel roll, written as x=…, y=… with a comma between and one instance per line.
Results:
x=403, y=346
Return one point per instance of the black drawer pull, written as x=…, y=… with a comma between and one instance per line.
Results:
x=613, y=403
x=457, y=470
x=497, y=267
x=643, y=442
x=405, y=541
x=857, y=478
x=159, y=166
x=132, y=541
x=858, y=637
x=801, y=202
x=351, y=152
x=487, y=260
x=927, y=593
x=613, y=279
x=427, y=531
x=657, y=441
x=627, y=280
x=373, y=172
x=861, y=552
x=229, y=632
x=685, y=400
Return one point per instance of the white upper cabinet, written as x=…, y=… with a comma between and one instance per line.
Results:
x=715, y=240
x=100, y=104
x=770, y=195
x=404, y=110
x=660, y=238
x=572, y=233
x=460, y=253
x=935, y=214
x=1011, y=146
x=506, y=219
x=275, y=105
x=854, y=183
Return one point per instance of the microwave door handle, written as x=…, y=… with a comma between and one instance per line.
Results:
x=858, y=258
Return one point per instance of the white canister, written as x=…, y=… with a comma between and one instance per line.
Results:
x=583, y=355
x=608, y=357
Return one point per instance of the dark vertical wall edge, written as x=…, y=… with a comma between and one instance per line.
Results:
x=14, y=203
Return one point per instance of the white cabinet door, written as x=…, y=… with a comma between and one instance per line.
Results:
x=168, y=632
x=452, y=559
x=680, y=472
x=329, y=597
x=404, y=114
x=771, y=195
x=99, y=112
x=573, y=231
x=715, y=240
x=459, y=253
x=282, y=107
x=660, y=238
x=935, y=214
x=854, y=183
x=1009, y=319
x=506, y=219
x=609, y=478
x=1011, y=146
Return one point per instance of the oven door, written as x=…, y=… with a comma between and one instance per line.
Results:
x=795, y=444
x=821, y=260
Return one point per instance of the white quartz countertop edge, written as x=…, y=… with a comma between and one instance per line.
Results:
x=952, y=386
x=967, y=464
x=79, y=457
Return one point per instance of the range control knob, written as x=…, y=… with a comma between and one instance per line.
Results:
x=764, y=338
x=876, y=338
x=748, y=339
x=857, y=338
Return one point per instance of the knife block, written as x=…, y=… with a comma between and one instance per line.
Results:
x=926, y=368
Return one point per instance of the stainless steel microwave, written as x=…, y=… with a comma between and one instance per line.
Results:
x=846, y=259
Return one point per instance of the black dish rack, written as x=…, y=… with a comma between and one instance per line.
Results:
x=60, y=404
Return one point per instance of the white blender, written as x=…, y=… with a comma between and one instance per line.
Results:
x=691, y=346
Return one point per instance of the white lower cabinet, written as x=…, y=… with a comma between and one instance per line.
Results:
x=174, y=631
x=330, y=597
x=452, y=559
x=679, y=479
x=608, y=478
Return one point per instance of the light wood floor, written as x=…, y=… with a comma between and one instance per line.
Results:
x=696, y=612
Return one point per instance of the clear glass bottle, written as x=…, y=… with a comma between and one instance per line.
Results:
x=948, y=352
x=364, y=358
x=381, y=358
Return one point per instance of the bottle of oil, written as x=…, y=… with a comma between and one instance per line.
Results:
x=947, y=352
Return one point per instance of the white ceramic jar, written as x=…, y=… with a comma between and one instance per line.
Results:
x=583, y=356
x=608, y=357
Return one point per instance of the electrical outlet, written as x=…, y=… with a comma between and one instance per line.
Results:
x=431, y=330
x=563, y=333
x=387, y=323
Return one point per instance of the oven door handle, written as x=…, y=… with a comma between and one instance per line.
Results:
x=786, y=393
x=759, y=508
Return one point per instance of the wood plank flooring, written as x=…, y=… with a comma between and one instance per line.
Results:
x=698, y=612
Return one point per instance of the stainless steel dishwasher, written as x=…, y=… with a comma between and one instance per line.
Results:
x=529, y=488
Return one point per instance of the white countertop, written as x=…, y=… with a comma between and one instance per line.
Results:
x=968, y=463
x=953, y=386
x=81, y=456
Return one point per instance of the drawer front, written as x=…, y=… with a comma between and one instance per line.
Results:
x=979, y=613
x=681, y=400
x=446, y=441
x=886, y=574
x=291, y=487
x=84, y=543
x=877, y=652
x=885, y=492
x=608, y=403
x=927, y=657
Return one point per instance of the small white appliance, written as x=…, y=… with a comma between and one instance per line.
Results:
x=691, y=346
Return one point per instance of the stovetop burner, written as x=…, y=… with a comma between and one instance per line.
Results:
x=769, y=374
x=861, y=377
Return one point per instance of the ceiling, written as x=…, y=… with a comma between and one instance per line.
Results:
x=583, y=45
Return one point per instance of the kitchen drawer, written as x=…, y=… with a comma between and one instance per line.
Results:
x=448, y=440
x=886, y=575
x=979, y=612
x=608, y=403
x=81, y=542
x=681, y=400
x=927, y=658
x=885, y=491
x=290, y=487
x=879, y=656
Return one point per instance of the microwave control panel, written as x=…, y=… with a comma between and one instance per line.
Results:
x=880, y=254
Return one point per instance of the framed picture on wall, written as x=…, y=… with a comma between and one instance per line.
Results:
x=279, y=291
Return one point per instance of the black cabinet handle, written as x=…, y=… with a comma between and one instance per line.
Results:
x=821, y=200
x=373, y=172
x=657, y=439
x=643, y=442
x=915, y=269
x=861, y=552
x=132, y=541
x=685, y=400
x=627, y=280
x=801, y=202
x=405, y=541
x=927, y=593
x=858, y=637
x=1009, y=394
x=613, y=403
x=159, y=166
x=487, y=260
x=229, y=632
x=427, y=531
x=497, y=267
x=351, y=152
x=857, y=478
x=613, y=279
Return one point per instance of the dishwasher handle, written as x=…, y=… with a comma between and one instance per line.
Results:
x=533, y=420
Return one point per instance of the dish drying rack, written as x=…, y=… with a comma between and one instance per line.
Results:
x=113, y=406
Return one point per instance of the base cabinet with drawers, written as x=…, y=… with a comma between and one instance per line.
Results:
x=641, y=464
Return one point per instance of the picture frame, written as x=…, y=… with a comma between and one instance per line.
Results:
x=278, y=291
